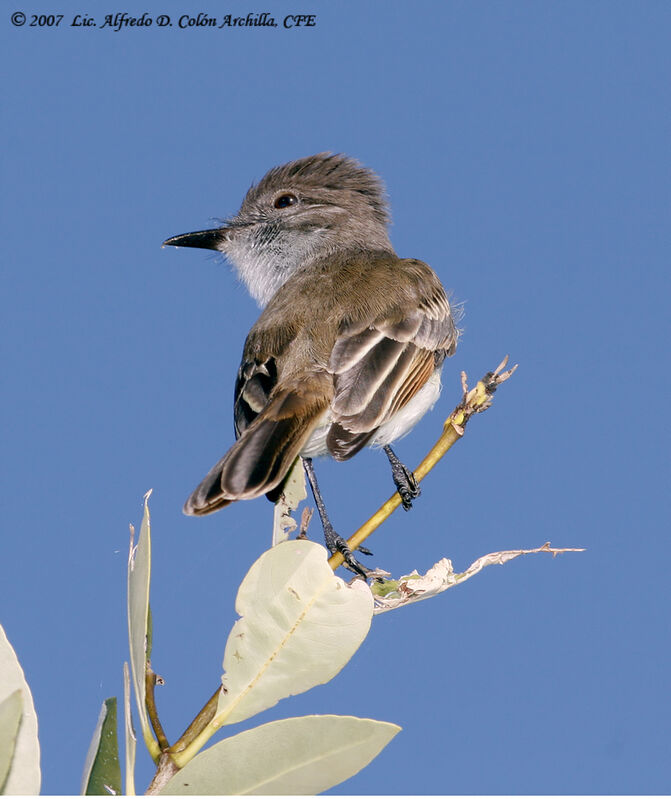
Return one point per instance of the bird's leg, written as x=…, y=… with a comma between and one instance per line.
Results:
x=334, y=542
x=404, y=480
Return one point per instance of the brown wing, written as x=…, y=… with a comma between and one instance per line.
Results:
x=268, y=444
x=380, y=365
x=369, y=366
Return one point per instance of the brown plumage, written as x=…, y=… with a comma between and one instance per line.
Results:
x=306, y=366
x=349, y=347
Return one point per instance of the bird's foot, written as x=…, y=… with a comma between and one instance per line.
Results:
x=336, y=543
x=407, y=487
x=404, y=480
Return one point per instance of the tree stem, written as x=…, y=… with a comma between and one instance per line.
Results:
x=474, y=401
x=150, y=680
x=198, y=724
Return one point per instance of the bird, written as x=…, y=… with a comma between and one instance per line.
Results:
x=350, y=344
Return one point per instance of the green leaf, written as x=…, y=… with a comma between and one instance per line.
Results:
x=305, y=755
x=131, y=738
x=102, y=772
x=19, y=745
x=300, y=625
x=139, y=574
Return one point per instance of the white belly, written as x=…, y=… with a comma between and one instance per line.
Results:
x=401, y=423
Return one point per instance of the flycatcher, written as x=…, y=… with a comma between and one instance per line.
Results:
x=351, y=342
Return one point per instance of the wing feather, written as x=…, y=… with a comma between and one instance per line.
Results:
x=356, y=387
x=266, y=448
x=378, y=366
x=353, y=373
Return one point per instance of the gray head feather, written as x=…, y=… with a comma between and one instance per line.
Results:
x=323, y=174
x=335, y=204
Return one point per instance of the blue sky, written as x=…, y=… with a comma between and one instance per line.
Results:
x=525, y=148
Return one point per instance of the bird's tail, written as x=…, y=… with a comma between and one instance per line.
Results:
x=264, y=453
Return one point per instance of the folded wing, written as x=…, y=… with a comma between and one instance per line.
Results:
x=270, y=438
x=380, y=365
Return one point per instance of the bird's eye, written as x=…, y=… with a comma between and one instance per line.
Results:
x=285, y=200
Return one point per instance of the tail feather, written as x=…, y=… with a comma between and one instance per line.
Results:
x=260, y=459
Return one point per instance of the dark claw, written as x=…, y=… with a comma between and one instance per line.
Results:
x=336, y=543
x=404, y=480
x=408, y=490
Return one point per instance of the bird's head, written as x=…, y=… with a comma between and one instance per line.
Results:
x=296, y=213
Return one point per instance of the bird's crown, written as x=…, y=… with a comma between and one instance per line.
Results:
x=322, y=176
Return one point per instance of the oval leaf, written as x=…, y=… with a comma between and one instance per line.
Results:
x=20, y=774
x=300, y=625
x=305, y=755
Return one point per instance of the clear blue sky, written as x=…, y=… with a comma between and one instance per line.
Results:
x=525, y=147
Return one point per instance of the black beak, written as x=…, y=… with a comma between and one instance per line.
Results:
x=205, y=239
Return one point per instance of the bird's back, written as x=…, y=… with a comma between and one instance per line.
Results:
x=341, y=348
